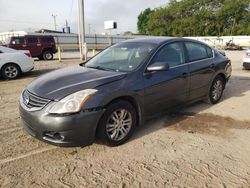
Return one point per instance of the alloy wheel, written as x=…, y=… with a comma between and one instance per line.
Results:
x=217, y=90
x=48, y=56
x=11, y=71
x=119, y=124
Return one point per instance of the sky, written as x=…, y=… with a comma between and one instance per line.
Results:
x=31, y=15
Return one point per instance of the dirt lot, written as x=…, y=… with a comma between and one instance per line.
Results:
x=202, y=146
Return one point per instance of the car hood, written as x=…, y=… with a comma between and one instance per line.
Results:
x=60, y=83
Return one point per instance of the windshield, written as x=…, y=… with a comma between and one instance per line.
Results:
x=122, y=57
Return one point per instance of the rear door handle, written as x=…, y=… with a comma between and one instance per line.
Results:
x=184, y=75
x=212, y=65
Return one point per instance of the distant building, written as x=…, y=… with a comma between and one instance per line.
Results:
x=65, y=30
x=47, y=31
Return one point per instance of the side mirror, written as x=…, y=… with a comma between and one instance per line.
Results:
x=158, y=66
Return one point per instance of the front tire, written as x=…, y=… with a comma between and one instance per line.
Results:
x=117, y=124
x=216, y=90
x=47, y=55
x=10, y=71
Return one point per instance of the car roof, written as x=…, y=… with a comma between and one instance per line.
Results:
x=162, y=40
x=41, y=36
x=152, y=40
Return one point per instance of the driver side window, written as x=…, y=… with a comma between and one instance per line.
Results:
x=171, y=54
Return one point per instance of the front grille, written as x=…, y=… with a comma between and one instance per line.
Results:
x=34, y=102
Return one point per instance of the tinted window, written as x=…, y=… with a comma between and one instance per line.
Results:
x=47, y=40
x=198, y=51
x=18, y=41
x=32, y=40
x=171, y=54
x=209, y=52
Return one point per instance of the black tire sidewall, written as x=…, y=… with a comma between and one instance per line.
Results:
x=40, y=57
x=210, y=98
x=45, y=53
x=3, y=71
x=101, y=129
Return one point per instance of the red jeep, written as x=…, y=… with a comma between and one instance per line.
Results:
x=39, y=46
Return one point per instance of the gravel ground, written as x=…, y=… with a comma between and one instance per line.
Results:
x=202, y=146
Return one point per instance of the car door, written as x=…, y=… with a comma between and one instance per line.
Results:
x=33, y=45
x=201, y=67
x=165, y=89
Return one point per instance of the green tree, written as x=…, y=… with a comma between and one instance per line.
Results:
x=142, y=23
x=200, y=18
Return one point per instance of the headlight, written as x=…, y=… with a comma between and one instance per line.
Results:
x=72, y=103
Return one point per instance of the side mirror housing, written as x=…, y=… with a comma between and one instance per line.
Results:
x=158, y=66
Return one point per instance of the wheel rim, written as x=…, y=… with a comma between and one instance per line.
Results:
x=119, y=124
x=11, y=71
x=217, y=90
x=48, y=56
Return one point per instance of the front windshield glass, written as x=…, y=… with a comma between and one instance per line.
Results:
x=122, y=57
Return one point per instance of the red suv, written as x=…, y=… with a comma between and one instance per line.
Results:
x=42, y=47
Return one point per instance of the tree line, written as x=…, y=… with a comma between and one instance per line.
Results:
x=197, y=18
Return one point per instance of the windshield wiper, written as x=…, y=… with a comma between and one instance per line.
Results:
x=101, y=68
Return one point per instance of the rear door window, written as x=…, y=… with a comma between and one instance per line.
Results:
x=32, y=40
x=198, y=51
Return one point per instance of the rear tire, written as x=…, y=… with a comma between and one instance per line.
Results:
x=47, y=55
x=117, y=124
x=216, y=90
x=10, y=71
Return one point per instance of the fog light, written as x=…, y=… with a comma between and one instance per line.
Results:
x=54, y=136
x=58, y=136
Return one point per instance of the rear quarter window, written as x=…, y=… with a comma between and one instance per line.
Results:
x=47, y=40
x=198, y=51
x=209, y=52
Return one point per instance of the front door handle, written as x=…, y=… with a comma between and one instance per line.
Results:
x=212, y=65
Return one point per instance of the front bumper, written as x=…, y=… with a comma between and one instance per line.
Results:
x=29, y=65
x=61, y=130
x=246, y=59
x=246, y=65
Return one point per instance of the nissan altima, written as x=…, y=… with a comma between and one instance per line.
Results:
x=120, y=88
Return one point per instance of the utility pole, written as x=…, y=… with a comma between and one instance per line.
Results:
x=54, y=17
x=81, y=27
x=89, y=28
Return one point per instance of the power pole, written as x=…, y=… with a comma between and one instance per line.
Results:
x=89, y=28
x=54, y=17
x=81, y=27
